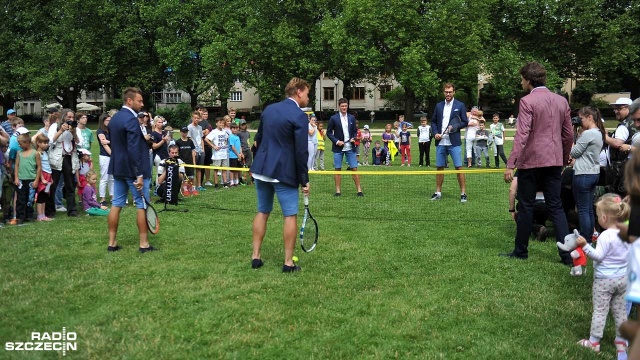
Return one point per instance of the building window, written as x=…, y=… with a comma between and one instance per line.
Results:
x=236, y=96
x=172, y=98
x=358, y=93
x=384, y=89
x=329, y=93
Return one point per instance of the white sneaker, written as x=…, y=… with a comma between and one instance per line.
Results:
x=588, y=344
x=61, y=209
x=208, y=183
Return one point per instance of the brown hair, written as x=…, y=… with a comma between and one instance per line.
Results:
x=79, y=115
x=130, y=93
x=597, y=118
x=448, y=85
x=613, y=206
x=535, y=73
x=294, y=85
x=24, y=138
x=101, y=120
x=41, y=138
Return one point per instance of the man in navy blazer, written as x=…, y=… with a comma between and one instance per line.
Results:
x=342, y=132
x=448, y=138
x=280, y=166
x=129, y=166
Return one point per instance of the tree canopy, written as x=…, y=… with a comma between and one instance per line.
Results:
x=203, y=46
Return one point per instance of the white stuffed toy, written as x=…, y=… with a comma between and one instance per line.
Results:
x=579, y=258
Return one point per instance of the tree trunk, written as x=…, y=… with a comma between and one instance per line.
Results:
x=409, y=103
x=194, y=98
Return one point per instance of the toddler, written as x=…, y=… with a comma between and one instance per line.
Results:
x=89, y=199
x=610, y=273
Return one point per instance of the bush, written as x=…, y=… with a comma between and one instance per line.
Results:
x=113, y=104
x=178, y=116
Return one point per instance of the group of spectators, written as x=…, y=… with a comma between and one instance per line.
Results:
x=46, y=167
x=44, y=170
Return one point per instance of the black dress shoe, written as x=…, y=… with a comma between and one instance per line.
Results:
x=360, y=193
x=256, y=263
x=288, y=269
x=337, y=194
x=512, y=255
x=113, y=248
x=150, y=248
x=73, y=214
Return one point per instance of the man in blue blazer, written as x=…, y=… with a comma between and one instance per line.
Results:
x=448, y=138
x=342, y=131
x=280, y=166
x=129, y=166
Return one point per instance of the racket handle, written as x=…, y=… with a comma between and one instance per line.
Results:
x=306, y=200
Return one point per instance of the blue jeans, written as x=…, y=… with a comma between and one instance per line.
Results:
x=583, y=190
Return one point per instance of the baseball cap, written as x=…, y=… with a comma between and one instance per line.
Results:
x=622, y=101
x=243, y=122
x=184, y=129
x=366, y=127
x=142, y=114
x=11, y=111
x=22, y=130
x=85, y=152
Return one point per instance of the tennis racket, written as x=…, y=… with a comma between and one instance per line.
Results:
x=153, y=223
x=309, y=229
x=454, y=125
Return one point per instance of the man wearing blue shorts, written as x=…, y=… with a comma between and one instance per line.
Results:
x=280, y=166
x=129, y=166
x=342, y=131
x=448, y=140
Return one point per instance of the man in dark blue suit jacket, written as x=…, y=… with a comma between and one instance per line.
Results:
x=448, y=138
x=280, y=166
x=343, y=143
x=129, y=166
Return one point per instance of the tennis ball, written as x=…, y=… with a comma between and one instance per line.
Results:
x=295, y=259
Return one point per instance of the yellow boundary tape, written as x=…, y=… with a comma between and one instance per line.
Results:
x=349, y=172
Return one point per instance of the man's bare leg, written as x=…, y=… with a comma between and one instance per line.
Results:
x=259, y=230
x=112, y=220
x=338, y=180
x=141, y=220
x=289, y=234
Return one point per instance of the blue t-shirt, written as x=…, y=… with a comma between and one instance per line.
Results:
x=14, y=147
x=162, y=151
x=234, y=140
x=404, y=137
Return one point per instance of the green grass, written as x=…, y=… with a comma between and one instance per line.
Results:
x=426, y=286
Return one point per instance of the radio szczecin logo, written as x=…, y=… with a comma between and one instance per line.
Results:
x=46, y=341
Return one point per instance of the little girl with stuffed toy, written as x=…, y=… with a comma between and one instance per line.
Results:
x=610, y=272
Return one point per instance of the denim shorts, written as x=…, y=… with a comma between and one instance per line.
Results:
x=351, y=159
x=287, y=197
x=121, y=188
x=441, y=155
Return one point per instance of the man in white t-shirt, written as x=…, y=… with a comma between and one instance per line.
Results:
x=218, y=139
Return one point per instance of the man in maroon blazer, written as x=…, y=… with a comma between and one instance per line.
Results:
x=541, y=148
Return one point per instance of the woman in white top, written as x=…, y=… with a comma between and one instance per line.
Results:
x=63, y=157
x=585, y=156
x=312, y=143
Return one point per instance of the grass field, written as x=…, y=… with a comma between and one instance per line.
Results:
x=394, y=276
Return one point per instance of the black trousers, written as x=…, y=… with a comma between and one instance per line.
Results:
x=549, y=180
x=425, y=148
x=23, y=212
x=501, y=154
x=68, y=191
